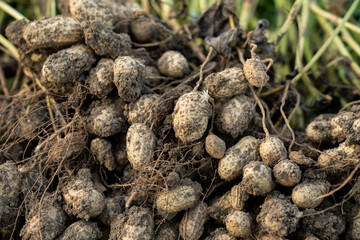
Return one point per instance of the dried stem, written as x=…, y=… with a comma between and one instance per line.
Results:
x=201, y=69
x=283, y=100
x=267, y=134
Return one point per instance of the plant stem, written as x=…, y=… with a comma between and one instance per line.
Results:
x=289, y=20
x=247, y=11
x=11, y=48
x=333, y=18
x=346, y=36
x=341, y=47
x=50, y=8
x=12, y=11
x=303, y=26
x=323, y=48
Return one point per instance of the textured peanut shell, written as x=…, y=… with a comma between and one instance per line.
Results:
x=255, y=72
x=236, y=115
x=67, y=65
x=278, y=215
x=140, y=144
x=231, y=165
x=355, y=228
x=238, y=224
x=215, y=146
x=128, y=77
x=238, y=197
x=319, y=130
x=81, y=230
x=220, y=234
x=173, y=64
x=101, y=78
x=192, y=224
x=272, y=150
x=190, y=117
x=305, y=194
x=226, y=84
x=141, y=110
x=53, y=32
x=257, y=178
x=176, y=200
x=136, y=224
x=167, y=232
x=340, y=124
x=287, y=173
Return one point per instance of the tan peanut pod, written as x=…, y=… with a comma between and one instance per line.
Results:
x=340, y=124
x=272, y=150
x=236, y=115
x=305, y=194
x=53, y=32
x=338, y=157
x=220, y=206
x=101, y=78
x=354, y=132
x=215, y=146
x=319, y=129
x=135, y=224
x=238, y=197
x=106, y=12
x=180, y=198
x=140, y=111
x=128, y=77
x=173, y=64
x=167, y=232
x=257, y=178
x=81, y=230
x=231, y=165
x=278, y=215
x=226, y=84
x=67, y=65
x=299, y=158
x=239, y=224
x=140, y=144
x=190, y=117
x=104, y=41
x=192, y=224
x=220, y=234
x=287, y=173
x=255, y=72
x=355, y=228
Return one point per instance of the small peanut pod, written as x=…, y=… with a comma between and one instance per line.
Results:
x=67, y=65
x=319, y=129
x=81, y=230
x=140, y=111
x=255, y=72
x=305, y=194
x=336, y=158
x=278, y=215
x=239, y=224
x=128, y=77
x=238, y=197
x=173, y=64
x=136, y=224
x=140, y=144
x=190, y=117
x=287, y=173
x=220, y=234
x=101, y=78
x=272, y=150
x=180, y=198
x=53, y=32
x=231, y=165
x=340, y=124
x=257, y=178
x=193, y=221
x=236, y=115
x=220, y=206
x=167, y=232
x=227, y=83
x=215, y=146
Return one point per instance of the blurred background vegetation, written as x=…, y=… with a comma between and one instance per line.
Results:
x=330, y=78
